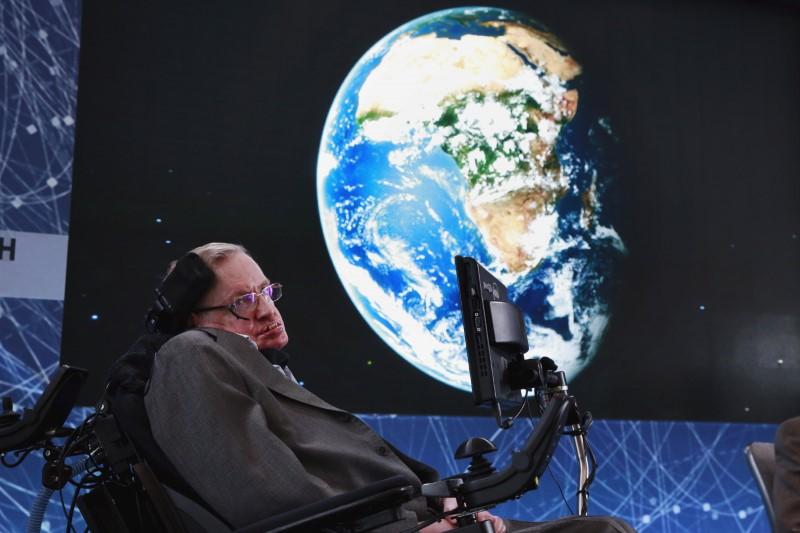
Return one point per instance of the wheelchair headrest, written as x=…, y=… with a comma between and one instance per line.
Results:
x=178, y=294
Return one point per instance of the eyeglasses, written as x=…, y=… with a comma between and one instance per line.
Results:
x=246, y=304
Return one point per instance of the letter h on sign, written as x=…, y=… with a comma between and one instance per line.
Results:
x=11, y=249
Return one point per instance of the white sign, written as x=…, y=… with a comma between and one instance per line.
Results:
x=32, y=265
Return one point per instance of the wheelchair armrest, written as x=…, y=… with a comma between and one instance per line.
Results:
x=170, y=511
x=51, y=410
x=362, y=509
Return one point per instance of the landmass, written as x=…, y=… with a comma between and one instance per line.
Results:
x=496, y=104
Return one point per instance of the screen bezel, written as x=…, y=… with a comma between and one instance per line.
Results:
x=488, y=361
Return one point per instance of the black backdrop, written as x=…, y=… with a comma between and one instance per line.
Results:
x=207, y=115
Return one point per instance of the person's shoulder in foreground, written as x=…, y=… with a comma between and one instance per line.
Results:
x=786, y=483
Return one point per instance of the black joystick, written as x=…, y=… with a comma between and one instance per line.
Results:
x=475, y=447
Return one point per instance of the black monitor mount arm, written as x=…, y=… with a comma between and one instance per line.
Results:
x=482, y=487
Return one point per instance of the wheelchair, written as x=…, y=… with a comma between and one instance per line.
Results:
x=133, y=491
x=132, y=486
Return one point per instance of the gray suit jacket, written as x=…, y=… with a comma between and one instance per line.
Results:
x=251, y=442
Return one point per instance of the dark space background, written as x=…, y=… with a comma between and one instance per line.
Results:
x=208, y=115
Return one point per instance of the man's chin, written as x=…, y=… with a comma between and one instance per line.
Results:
x=273, y=342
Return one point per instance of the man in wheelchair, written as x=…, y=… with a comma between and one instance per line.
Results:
x=229, y=415
x=251, y=442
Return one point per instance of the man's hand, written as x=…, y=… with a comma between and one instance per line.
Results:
x=449, y=523
x=497, y=523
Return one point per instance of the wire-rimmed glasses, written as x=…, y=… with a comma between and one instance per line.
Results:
x=246, y=304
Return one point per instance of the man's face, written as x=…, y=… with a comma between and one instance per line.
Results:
x=236, y=275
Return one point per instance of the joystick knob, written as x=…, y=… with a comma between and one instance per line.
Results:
x=474, y=448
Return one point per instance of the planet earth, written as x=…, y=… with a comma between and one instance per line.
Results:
x=469, y=132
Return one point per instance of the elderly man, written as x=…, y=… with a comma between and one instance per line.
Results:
x=238, y=427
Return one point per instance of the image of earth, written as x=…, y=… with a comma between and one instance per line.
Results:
x=468, y=132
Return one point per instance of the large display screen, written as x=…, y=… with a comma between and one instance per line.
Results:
x=627, y=169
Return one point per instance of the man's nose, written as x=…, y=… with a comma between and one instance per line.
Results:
x=264, y=306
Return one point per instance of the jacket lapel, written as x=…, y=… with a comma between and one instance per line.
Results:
x=248, y=355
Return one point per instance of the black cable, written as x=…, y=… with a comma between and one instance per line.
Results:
x=97, y=477
x=563, y=497
x=75, y=495
x=62, y=456
x=78, y=487
x=77, y=437
x=508, y=422
x=22, y=454
x=72, y=509
x=540, y=404
x=64, y=510
x=99, y=474
x=72, y=440
x=530, y=411
x=104, y=471
x=67, y=444
x=583, y=430
x=593, y=468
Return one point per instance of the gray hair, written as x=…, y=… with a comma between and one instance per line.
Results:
x=212, y=253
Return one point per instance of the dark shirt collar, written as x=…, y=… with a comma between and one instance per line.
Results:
x=276, y=357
